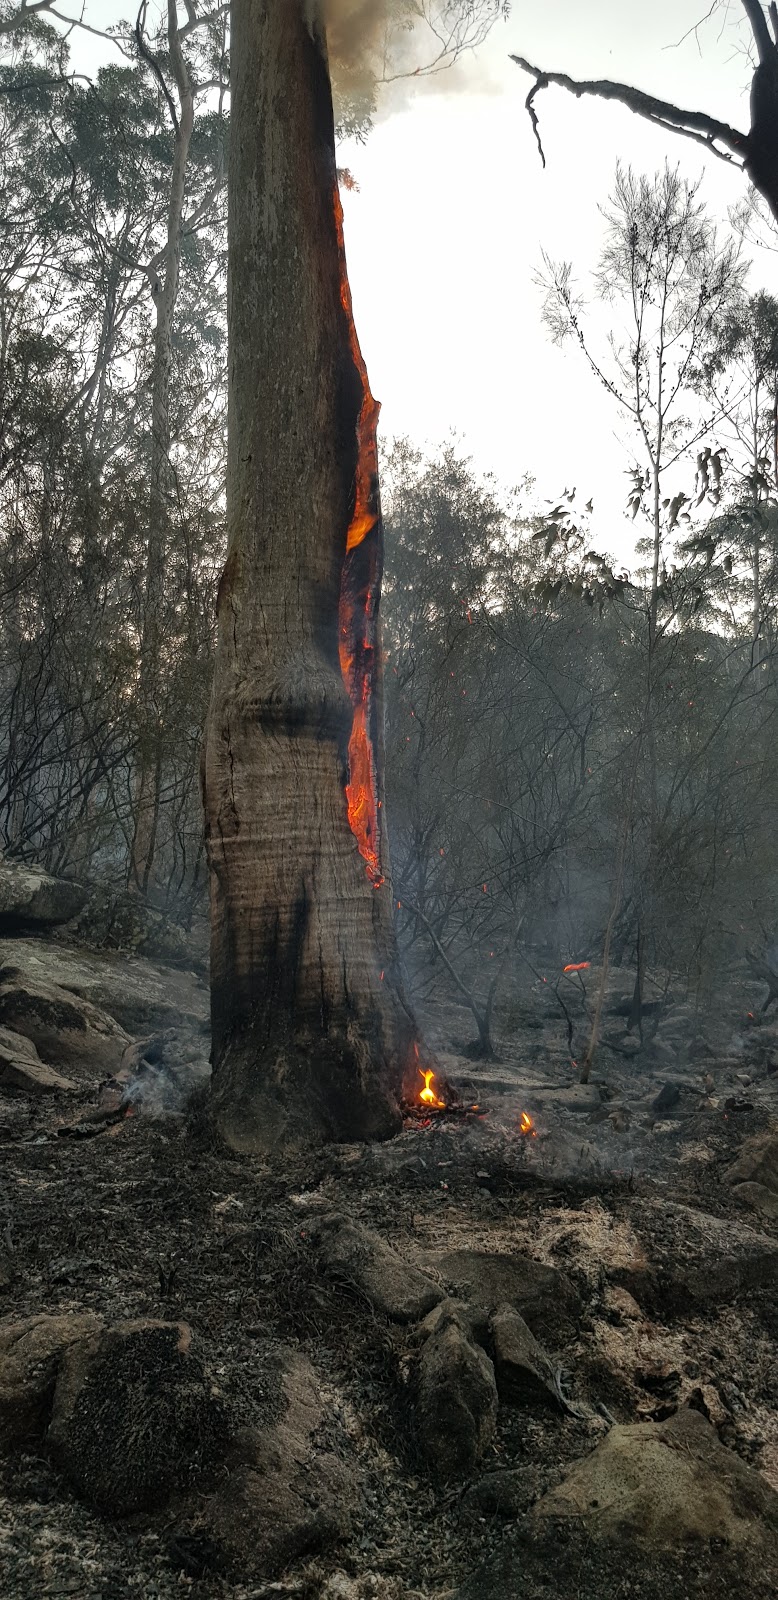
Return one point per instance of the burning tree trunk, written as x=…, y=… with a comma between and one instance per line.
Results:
x=311, y=1034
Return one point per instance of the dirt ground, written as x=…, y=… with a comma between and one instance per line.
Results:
x=675, y=1303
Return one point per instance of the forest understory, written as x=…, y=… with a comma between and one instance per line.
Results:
x=333, y=1430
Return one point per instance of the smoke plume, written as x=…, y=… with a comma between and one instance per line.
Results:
x=374, y=42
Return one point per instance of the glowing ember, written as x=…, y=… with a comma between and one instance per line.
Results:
x=527, y=1127
x=427, y=1094
x=359, y=596
x=577, y=966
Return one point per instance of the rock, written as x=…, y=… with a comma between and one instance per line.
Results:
x=662, y=1054
x=114, y=919
x=457, y=1401
x=690, y=1258
x=501, y=1494
x=581, y=1097
x=286, y=1495
x=757, y=1161
x=135, y=1416
x=620, y=991
x=141, y=997
x=23, y=1072
x=620, y=1306
x=761, y=1199
x=391, y=1284
x=669, y=1096
x=31, y=1351
x=706, y=1398
x=546, y=1298
x=666, y=1484
x=32, y=900
x=65, y=1029
x=524, y=1373
x=473, y=1320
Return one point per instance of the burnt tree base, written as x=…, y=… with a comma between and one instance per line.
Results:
x=291, y=1096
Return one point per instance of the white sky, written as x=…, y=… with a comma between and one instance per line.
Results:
x=454, y=208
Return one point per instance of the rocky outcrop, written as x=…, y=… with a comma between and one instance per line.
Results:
x=754, y=1175
x=32, y=901
x=113, y=919
x=667, y=1484
x=141, y=997
x=691, y=1259
x=286, y=1494
x=65, y=1029
x=524, y=1372
x=31, y=1353
x=392, y=1285
x=545, y=1297
x=23, y=1072
x=135, y=1416
x=457, y=1400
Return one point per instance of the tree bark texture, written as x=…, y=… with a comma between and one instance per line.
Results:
x=311, y=1034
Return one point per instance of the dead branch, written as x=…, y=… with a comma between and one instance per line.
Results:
x=693, y=124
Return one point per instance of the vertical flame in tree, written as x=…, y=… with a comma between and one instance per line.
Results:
x=359, y=596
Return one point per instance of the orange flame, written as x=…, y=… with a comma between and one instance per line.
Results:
x=577, y=966
x=427, y=1094
x=360, y=590
x=527, y=1126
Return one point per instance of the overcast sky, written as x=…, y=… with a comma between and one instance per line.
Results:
x=454, y=207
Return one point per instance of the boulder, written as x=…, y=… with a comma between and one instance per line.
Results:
x=690, y=1258
x=523, y=1370
x=31, y=1351
x=757, y=1161
x=457, y=1401
x=65, y=1029
x=667, y=1484
x=286, y=1495
x=546, y=1298
x=135, y=1416
x=114, y=919
x=31, y=900
x=391, y=1284
x=501, y=1494
x=759, y=1198
x=141, y=997
x=473, y=1320
x=23, y=1072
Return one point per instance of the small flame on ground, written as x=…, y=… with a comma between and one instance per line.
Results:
x=527, y=1127
x=577, y=966
x=427, y=1094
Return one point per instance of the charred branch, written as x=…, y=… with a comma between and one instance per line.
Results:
x=693, y=124
x=755, y=152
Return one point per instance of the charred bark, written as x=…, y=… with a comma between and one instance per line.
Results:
x=311, y=1033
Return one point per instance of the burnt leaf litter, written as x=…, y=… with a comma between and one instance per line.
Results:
x=262, y=1329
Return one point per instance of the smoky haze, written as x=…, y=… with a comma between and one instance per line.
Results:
x=385, y=41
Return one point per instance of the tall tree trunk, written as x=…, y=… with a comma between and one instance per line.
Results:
x=311, y=1034
x=165, y=282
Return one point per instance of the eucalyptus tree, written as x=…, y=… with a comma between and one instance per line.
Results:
x=312, y=1034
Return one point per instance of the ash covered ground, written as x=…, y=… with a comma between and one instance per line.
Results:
x=469, y=1363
